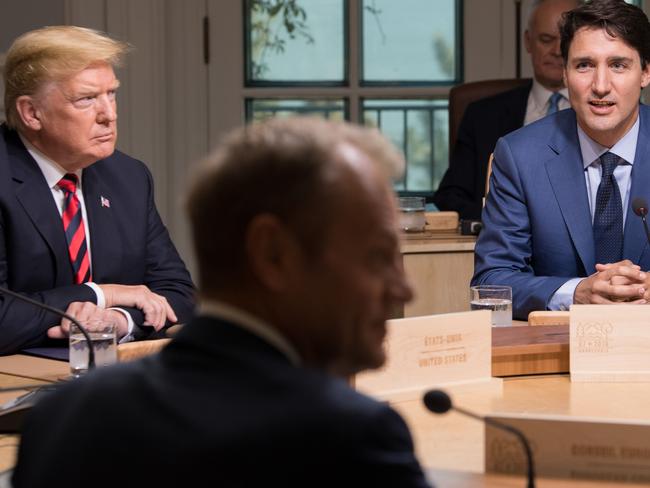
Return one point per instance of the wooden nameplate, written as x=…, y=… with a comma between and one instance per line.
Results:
x=568, y=447
x=609, y=343
x=431, y=351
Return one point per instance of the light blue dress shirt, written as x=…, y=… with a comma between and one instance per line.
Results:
x=591, y=152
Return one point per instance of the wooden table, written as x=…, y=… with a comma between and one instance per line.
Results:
x=19, y=370
x=453, y=441
x=440, y=266
x=449, y=445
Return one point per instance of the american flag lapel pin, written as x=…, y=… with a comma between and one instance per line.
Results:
x=105, y=201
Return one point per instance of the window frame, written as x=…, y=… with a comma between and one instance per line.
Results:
x=353, y=90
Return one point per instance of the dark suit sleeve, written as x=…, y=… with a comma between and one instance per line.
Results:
x=462, y=187
x=165, y=272
x=386, y=457
x=23, y=325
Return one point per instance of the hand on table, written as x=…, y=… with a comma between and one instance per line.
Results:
x=155, y=307
x=614, y=283
x=84, y=311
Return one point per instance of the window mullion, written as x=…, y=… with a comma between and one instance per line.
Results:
x=353, y=59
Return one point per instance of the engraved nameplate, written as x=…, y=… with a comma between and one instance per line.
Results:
x=565, y=447
x=433, y=350
x=610, y=343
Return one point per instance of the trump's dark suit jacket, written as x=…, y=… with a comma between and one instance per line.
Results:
x=129, y=243
x=537, y=226
x=463, y=186
x=219, y=405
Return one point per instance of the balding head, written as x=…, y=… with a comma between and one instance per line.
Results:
x=283, y=167
x=542, y=39
x=295, y=222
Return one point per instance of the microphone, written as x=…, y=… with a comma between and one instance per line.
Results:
x=640, y=207
x=60, y=313
x=12, y=413
x=437, y=401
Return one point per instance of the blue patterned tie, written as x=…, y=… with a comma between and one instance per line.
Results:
x=553, y=101
x=608, y=217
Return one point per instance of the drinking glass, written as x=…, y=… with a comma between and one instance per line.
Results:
x=412, y=214
x=497, y=298
x=104, y=342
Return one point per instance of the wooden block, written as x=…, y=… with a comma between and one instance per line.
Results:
x=530, y=350
x=548, y=317
x=609, y=343
x=130, y=351
x=441, y=220
x=566, y=447
x=429, y=351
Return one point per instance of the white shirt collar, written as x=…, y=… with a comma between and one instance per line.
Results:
x=625, y=147
x=539, y=95
x=52, y=171
x=252, y=324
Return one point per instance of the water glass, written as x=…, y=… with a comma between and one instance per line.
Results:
x=497, y=298
x=103, y=337
x=412, y=214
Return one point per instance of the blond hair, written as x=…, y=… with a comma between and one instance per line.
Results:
x=286, y=167
x=53, y=54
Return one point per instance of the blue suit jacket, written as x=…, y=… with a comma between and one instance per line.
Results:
x=537, y=227
x=129, y=243
x=221, y=405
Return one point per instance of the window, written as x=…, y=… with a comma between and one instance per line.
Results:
x=379, y=62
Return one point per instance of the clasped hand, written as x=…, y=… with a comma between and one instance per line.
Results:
x=155, y=308
x=614, y=283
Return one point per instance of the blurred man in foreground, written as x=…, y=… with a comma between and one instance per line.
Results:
x=295, y=234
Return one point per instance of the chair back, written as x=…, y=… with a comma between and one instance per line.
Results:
x=461, y=96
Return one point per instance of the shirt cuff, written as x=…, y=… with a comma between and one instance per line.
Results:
x=101, y=300
x=562, y=299
x=101, y=303
x=130, y=325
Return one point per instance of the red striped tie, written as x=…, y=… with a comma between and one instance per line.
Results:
x=75, y=233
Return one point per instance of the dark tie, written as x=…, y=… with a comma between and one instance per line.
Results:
x=75, y=233
x=553, y=101
x=608, y=217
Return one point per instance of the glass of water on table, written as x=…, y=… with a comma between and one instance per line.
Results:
x=497, y=298
x=104, y=342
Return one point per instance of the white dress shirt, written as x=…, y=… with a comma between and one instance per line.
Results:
x=538, y=101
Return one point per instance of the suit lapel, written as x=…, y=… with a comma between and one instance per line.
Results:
x=35, y=197
x=105, y=239
x=566, y=173
x=634, y=237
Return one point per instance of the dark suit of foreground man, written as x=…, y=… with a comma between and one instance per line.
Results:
x=551, y=231
x=61, y=120
x=294, y=227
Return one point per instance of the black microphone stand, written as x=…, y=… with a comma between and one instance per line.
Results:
x=439, y=402
x=91, y=351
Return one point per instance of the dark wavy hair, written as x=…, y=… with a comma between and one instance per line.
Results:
x=618, y=18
